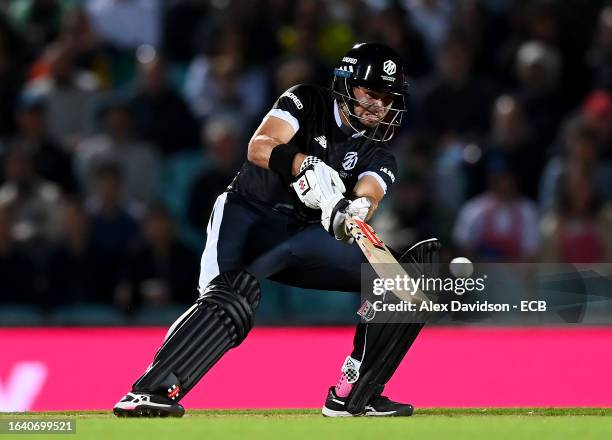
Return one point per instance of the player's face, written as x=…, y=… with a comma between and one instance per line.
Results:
x=372, y=106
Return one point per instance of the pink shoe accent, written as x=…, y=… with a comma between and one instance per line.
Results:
x=343, y=388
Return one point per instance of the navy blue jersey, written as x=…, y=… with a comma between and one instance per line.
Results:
x=314, y=115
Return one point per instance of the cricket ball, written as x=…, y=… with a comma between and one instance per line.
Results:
x=461, y=267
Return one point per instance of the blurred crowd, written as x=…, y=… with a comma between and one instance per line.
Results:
x=122, y=120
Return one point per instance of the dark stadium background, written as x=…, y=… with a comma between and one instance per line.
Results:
x=122, y=120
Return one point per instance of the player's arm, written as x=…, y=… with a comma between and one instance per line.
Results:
x=271, y=133
x=371, y=189
x=313, y=181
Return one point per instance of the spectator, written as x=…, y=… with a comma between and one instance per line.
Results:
x=580, y=156
x=390, y=26
x=11, y=59
x=291, y=71
x=485, y=32
x=312, y=35
x=117, y=143
x=180, y=27
x=579, y=228
x=433, y=20
x=599, y=57
x=51, y=161
x=127, y=24
x=597, y=114
x=454, y=102
x=222, y=82
x=90, y=50
x=160, y=115
x=114, y=224
x=69, y=94
x=16, y=268
x=38, y=21
x=500, y=224
x=511, y=136
x=225, y=150
x=160, y=269
x=538, y=69
x=33, y=200
x=75, y=271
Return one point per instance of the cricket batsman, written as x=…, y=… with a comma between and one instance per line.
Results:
x=319, y=157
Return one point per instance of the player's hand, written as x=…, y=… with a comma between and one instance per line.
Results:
x=317, y=182
x=334, y=214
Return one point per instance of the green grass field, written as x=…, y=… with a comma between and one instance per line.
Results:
x=513, y=423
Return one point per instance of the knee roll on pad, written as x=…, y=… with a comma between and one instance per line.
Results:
x=219, y=320
x=238, y=295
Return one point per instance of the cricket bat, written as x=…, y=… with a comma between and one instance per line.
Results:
x=382, y=260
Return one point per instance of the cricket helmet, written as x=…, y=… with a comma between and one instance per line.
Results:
x=375, y=67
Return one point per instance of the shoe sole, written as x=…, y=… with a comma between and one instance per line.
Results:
x=144, y=411
x=333, y=413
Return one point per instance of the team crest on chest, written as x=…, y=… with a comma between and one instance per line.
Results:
x=322, y=141
x=350, y=160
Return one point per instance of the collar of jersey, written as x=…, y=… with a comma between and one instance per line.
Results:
x=343, y=127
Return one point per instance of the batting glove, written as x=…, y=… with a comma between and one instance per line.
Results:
x=317, y=183
x=335, y=212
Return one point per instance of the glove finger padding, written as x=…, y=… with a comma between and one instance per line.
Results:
x=334, y=216
x=317, y=182
x=359, y=208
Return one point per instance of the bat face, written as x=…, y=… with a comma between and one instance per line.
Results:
x=370, y=244
x=378, y=255
x=369, y=233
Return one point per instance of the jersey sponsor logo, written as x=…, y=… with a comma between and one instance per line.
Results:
x=350, y=160
x=295, y=100
x=322, y=141
x=349, y=60
x=389, y=67
x=389, y=173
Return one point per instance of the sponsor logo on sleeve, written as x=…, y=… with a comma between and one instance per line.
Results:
x=295, y=100
x=389, y=173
